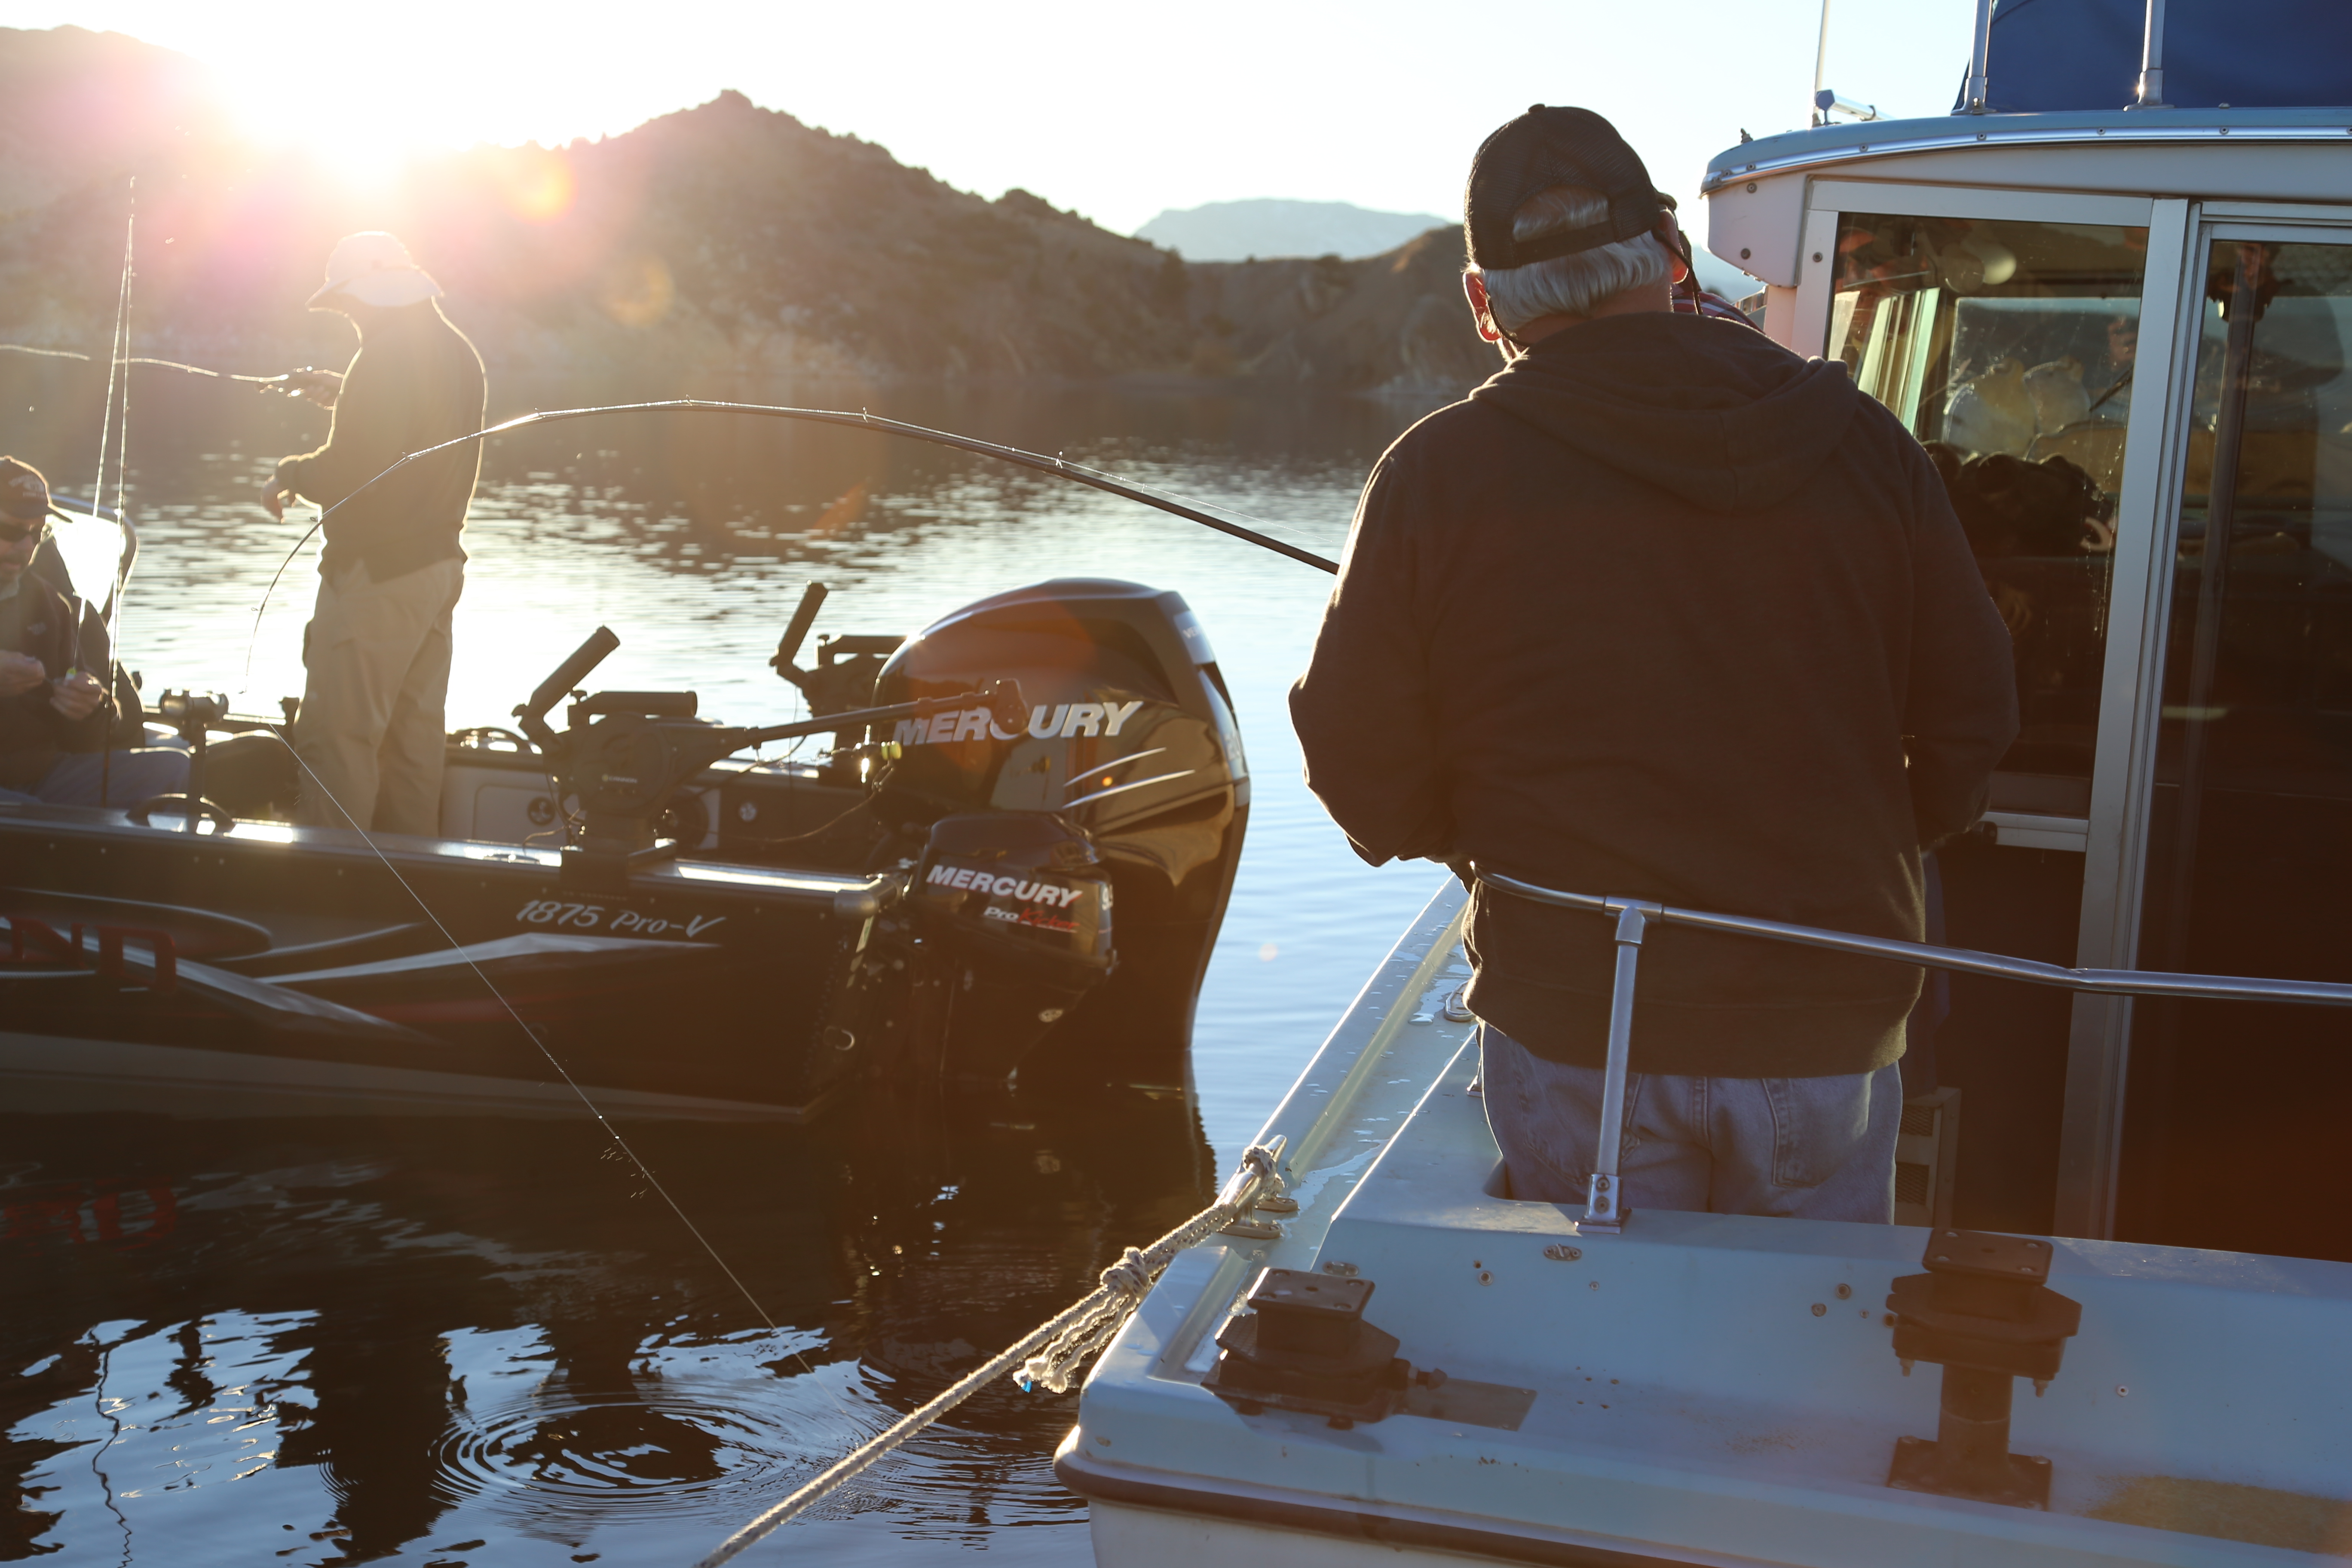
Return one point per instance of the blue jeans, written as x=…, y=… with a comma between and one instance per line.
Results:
x=1811, y=1148
x=129, y=778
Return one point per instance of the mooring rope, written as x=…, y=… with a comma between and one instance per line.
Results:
x=1048, y=1353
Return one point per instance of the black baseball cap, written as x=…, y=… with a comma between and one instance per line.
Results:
x=24, y=493
x=1543, y=148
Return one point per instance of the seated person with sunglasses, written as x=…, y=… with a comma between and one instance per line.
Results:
x=55, y=716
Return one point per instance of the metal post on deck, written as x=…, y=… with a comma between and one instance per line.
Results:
x=2151, y=61
x=1605, y=1199
x=1978, y=93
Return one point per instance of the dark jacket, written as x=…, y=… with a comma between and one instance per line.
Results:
x=415, y=383
x=32, y=733
x=1663, y=610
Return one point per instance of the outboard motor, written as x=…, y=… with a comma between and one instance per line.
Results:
x=1022, y=902
x=1131, y=752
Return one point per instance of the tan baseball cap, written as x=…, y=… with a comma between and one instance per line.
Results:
x=375, y=269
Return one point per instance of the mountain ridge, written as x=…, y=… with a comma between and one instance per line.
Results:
x=708, y=249
x=1275, y=228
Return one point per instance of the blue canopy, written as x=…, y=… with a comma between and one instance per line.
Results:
x=2050, y=55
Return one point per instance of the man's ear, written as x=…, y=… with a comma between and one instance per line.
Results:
x=1473, y=289
x=1670, y=233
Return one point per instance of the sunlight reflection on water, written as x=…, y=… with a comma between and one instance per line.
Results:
x=413, y=1339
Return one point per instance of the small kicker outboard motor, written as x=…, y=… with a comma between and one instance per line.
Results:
x=1120, y=805
x=1023, y=903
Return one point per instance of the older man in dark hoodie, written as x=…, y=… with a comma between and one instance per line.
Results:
x=1662, y=611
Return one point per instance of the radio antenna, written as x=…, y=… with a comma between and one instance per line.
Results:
x=1821, y=64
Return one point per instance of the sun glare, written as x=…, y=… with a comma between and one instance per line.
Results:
x=373, y=123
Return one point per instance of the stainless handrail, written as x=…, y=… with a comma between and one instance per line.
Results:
x=1605, y=1208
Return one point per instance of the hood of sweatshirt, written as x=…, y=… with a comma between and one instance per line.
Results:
x=1712, y=411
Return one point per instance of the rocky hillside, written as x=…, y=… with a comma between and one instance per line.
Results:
x=721, y=247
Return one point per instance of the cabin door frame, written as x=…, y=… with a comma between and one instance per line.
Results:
x=2123, y=791
x=2112, y=837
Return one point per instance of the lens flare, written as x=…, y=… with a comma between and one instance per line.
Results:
x=537, y=184
x=636, y=292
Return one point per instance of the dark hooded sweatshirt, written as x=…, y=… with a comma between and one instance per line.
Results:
x=1666, y=612
x=416, y=382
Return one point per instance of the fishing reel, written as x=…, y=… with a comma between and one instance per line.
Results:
x=625, y=753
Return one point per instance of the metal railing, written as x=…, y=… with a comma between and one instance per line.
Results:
x=1605, y=1208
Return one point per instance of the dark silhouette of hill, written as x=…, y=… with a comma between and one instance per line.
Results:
x=711, y=250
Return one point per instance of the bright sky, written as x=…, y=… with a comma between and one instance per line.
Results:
x=1116, y=109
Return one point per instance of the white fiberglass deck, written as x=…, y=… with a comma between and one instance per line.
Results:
x=1706, y=1388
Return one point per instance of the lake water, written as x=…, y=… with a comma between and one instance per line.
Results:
x=465, y=1341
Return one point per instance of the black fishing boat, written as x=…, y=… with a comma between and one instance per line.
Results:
x=1009, y=866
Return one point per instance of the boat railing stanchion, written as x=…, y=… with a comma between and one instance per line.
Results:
x=1605, y=1199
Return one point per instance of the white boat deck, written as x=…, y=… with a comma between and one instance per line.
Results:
x=1702, y=1388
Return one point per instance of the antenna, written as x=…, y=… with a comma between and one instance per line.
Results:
x=2151, y=61
x=1980, y=46
x=1820, y=61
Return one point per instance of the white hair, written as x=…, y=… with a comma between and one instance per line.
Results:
x=1571, y=285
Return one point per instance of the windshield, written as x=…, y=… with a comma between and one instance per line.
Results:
x=2007, y=348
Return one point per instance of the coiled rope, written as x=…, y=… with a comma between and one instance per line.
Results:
x=1048, y=1353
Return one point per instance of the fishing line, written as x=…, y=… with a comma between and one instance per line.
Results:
x=570, y=1082
x=122, y=346
x=121, y=471
x=533, y=1035
x=106, y=416
x=97, y=1400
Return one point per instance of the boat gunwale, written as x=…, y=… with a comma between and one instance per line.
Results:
x=1871, y=140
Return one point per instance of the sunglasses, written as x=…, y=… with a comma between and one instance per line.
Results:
x=15, y=531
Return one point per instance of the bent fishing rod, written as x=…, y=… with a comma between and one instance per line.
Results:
x=1077, y=473
x=1180, y=505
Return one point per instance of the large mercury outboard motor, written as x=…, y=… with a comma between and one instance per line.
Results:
x=1130, y=770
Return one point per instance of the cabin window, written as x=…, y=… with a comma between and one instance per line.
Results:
x=2008, y=347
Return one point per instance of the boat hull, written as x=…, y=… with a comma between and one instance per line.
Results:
x=1698, y=1389
x=315, y=971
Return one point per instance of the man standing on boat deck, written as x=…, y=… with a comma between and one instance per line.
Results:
x=1662, y=611
x=370, y=734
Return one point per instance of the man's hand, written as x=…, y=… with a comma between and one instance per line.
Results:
x=274, y=496
x=77, y=695
x=320, y=386
x=19, y=673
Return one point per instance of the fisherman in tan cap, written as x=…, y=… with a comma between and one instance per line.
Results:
x=370, y=733
x=56, y=717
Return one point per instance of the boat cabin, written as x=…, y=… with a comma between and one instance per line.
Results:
x=2122, y=335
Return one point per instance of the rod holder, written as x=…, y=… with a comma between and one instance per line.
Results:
x=2150, y=91
x=1984, y=1312
x=1978, y=95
